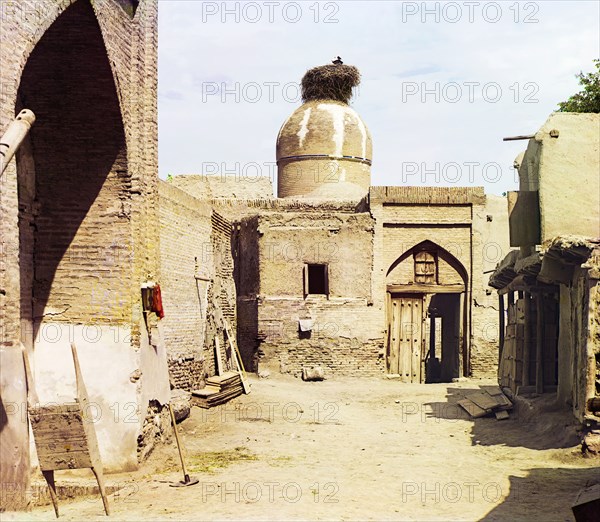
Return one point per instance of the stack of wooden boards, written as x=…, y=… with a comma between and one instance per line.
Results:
x=218, y=390
x=486, y=401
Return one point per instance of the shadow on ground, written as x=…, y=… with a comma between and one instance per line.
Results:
x=539, y=423
x=526, y=496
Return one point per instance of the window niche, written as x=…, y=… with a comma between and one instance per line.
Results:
x=425, y=268
x=316, y=279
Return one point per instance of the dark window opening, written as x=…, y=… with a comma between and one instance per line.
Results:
x=316, y=279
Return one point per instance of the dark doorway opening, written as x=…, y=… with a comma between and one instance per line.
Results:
x=443, y=357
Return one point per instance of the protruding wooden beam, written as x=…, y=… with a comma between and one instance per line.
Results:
x=14, y=135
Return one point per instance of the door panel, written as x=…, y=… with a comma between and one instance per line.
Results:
x=406, y=339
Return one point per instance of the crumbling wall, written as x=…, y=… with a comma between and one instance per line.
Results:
x=584, y=314
x=196, y=282
x=345, y=334
x=490, y=246
x=216, y=186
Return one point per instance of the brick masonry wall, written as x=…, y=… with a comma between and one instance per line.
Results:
x=347, y=337
x=344, y=339
x=475, y=231
x=195, y=241
x=468, y=225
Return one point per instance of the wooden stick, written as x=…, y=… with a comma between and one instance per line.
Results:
x=218, y=361
x=32, y=396
x=539, y=345
x=186, y=477
x=49, y=476
x=100, y=480
x=237, y=357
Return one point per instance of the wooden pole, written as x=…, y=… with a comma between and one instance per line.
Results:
x=14, y=135
x=526, y=338
x=501, y=326
x=539, y=344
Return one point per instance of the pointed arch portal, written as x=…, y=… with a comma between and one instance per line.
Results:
x=426, y=315
x=72, y=177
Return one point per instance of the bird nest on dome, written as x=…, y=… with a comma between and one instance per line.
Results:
x=330, y=82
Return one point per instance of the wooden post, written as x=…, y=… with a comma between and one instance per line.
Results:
x=510, y=298
x=539, y=344
x=501, y=327
x=526, y=338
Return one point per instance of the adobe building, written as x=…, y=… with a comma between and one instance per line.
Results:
x=356, y=279
x=550, y=342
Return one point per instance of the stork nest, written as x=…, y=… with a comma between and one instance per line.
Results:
x=330, y=82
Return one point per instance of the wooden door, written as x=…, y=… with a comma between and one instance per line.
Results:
x=405, y=355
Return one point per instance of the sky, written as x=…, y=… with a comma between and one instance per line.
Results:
x=442, y=82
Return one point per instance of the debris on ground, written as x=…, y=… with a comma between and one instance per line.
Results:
x=487, y=401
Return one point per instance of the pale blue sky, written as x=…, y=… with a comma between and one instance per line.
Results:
x=529, y=50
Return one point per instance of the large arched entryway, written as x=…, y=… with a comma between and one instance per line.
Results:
x=73, y=181
x=426, y=289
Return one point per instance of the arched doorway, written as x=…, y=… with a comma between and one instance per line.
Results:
x=427, y=319
x=74, y=216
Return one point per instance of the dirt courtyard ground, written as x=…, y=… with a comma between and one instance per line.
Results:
x=353, y=449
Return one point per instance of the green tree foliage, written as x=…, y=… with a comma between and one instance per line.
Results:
x=587, y=100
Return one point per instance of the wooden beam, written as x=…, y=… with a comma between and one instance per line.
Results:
x=422, y=288
x=526, y=338
x=501, y=326
x=539, y=344
x=522, y=137
x=511, y=298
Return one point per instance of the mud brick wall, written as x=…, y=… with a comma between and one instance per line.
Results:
x=490, y=246
x=347, y=337
x=186, y=373
x=343, y=340
x=197, y=284
x=216, y=186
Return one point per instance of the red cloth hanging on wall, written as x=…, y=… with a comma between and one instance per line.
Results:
x=157, y=306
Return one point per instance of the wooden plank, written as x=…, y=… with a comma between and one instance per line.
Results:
x=394, y=361
x=526, y=338
x=539, y=345
x=237, y=358
x=502, y=415
x=472, y=409
x=496, y=394
x=501, y=319
x=220, y=380
x=404, y=351
x=206, y=391
x=415, y=340
x=483, y=400
x=218, y=362
x=424, y=288
x=32, y=396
